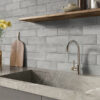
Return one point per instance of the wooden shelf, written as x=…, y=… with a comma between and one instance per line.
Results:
x=62, y=16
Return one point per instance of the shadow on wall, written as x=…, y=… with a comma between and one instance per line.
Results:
x=55, y=24
x=85, y=67
x=69, y=22
x=25, y=56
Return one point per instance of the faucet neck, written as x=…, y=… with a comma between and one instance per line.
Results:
x=78, y=54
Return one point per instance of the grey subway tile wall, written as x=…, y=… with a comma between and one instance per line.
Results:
x=46, y=42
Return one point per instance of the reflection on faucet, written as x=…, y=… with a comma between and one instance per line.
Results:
x=78, y=56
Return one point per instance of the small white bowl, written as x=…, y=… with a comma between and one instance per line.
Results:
x=71, y=7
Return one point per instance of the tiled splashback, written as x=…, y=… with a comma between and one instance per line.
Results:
x=46, y=42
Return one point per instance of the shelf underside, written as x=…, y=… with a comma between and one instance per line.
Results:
x=62, y=16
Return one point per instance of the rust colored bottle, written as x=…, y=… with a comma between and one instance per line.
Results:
x=82, y=4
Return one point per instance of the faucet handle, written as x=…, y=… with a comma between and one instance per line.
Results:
x=74, y=68
x=73, y=65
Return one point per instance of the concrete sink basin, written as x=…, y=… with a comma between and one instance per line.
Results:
x=57, y=79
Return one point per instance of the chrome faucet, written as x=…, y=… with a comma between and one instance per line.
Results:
x=74, y=68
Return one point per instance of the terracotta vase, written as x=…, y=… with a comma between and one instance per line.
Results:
x=0, y=58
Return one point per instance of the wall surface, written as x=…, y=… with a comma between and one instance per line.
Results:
x=46, y=42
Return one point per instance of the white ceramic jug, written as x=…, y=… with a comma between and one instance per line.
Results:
x=94, y=4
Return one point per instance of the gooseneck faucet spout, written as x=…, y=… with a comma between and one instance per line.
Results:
x=78, y=56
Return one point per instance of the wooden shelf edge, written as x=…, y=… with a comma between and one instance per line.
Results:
x=65, y=15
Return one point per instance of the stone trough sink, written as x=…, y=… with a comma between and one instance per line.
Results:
x=54, y=84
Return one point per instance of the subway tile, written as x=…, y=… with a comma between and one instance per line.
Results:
x=7, y=48
x=63, y=31
x=11, y=34
x=57, y=40
x=19, y=12
x=41, y=8
x=13, y=6
x=47, y=65
x=47, y=32
x=7, y=41
x=98, y=39
x=85, y=39
x=27, y=3
x=6, y=54
x=61, y=48
x=28, y=33
x=42, y=2
x=57, y=57
x=37, y=40
x=31, y=63
x=55, y=6
x=75, y=30
x=91, y=49
x=4, y=2
x=31, y=48
x=36, y=56
x=45, y=48
x=2, y=8
x=89, y=59
x=91, y=29
x=98, y=59
x=6, y=61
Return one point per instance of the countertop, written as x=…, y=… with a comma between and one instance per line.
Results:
x=47, y=91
